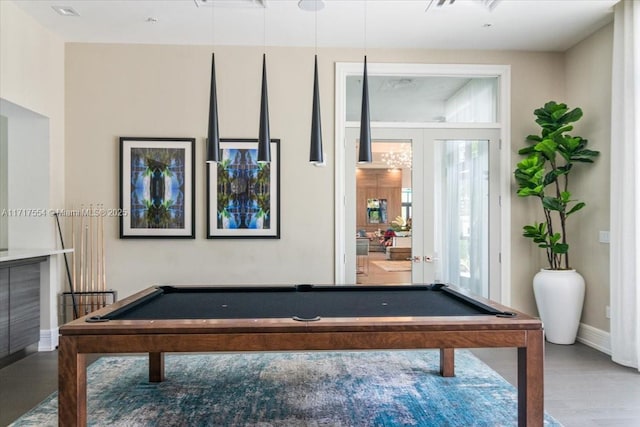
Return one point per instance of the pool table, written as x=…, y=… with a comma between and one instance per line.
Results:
x=303, y=317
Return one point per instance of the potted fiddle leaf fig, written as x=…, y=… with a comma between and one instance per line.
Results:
x=544, y=174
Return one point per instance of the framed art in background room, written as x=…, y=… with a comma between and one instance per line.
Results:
x=243, y=196
x=157, y=187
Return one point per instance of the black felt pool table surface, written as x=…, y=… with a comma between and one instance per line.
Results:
x=303, y=301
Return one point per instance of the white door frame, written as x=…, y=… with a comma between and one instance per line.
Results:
x=503, y=72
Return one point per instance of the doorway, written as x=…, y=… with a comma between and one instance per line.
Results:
x=423, y=206
x=383, y=211
x=459, y=223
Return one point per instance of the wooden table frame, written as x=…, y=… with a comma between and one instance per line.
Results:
x=156, y=337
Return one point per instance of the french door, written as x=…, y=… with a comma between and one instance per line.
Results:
x=453, y=208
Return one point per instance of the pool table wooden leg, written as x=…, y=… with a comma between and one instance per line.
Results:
x=72, y=384
x=531, y=381
x=447, y=360
x=156, y=367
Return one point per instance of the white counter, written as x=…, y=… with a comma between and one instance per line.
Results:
x=17, y=254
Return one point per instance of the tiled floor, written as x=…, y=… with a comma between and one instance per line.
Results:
x=583, y=388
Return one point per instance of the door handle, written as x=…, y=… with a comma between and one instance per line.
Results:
x=417, y=259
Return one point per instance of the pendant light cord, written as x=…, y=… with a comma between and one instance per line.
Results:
x=365, y=27
x=364, y=151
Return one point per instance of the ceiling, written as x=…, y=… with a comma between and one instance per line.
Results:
x=538, y=25
x=533, y=25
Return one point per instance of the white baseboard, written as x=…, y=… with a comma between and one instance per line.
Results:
x=595, y=338
x=48, y=339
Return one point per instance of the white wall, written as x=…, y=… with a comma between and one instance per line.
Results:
x=142, y=90
x=32, y=78
x=28, y=178
x=134, y=90
x=4, y=219
x=588, y=76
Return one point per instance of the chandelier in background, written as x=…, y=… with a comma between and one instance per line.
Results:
x=400, y=159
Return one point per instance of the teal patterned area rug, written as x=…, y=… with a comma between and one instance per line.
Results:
x=390, y=388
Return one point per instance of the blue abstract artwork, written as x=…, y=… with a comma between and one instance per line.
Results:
x=157, y=188
x=243, y=191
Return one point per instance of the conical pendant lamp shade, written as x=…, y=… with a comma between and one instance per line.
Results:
x=213, y=136
x=364, y=154
x=315, y=154
x=264, y=138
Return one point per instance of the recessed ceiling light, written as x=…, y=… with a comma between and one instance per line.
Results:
x=311, y=5
x=65, y=10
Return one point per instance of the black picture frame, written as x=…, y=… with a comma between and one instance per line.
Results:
x=243, y=196
x=157, y=188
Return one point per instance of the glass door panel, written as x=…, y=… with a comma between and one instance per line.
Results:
x=454, y=191
x=463, y=213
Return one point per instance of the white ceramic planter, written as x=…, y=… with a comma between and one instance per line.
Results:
x=559, y=296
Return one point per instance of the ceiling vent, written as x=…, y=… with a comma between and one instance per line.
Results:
x=65, y=10
x=237, y=4
x=489, y=4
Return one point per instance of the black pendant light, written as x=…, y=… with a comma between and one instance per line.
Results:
x=364, y=154
x=315, y=154
x=213, y=136
x=264, y=139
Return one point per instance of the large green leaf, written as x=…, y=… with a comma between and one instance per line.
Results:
x=553, y=204
x=560, y=248
x=547, y=147
x=559, y=131
x=584, y=156
x=576, y=208
x=572, y=116
x=554, y=238
x=557, y=113
x=537, y=233
x=535, y=191
x=553, y=175
x=527, y=150
x=571, y=143
x=528, y=162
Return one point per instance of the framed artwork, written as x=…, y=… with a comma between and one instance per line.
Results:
x=157, y=188
x=376, y=211
x=243, y=196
